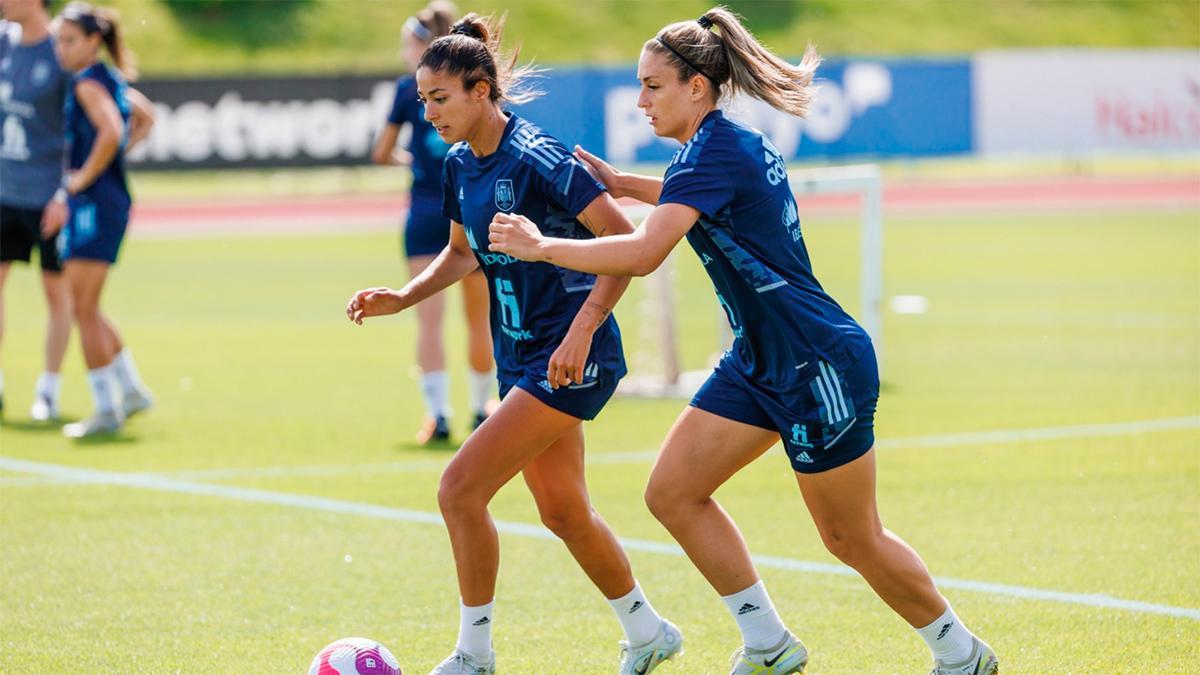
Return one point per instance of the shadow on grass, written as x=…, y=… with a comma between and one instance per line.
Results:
x=31, y=425
x=451, y=445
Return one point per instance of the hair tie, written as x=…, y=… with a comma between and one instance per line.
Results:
x=418, y=29
x=684, y=59
x=463, y=29
x=705, y=22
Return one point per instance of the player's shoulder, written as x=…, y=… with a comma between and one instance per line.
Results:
x=458, y=153
x=406, y=85
x=530, y=145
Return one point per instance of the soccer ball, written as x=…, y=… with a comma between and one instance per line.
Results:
x=354, y=656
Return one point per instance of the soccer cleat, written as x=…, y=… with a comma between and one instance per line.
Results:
x=789, y=656
x=982, y=661
x=44, y=408
x=434, y=431
x=100, y=423
x=480, y=417
x=136, y=401
x=666, y=644
x=462, y=663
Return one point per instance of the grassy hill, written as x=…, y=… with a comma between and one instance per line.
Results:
x=289, y=36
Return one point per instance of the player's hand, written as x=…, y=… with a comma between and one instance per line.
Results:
x=568, y=361
x=601, y=171
x=515, y=235
x=54, y=216
x=372, y=302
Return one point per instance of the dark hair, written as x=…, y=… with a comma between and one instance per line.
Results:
x=735, y=62
x=472, y=50
x=92, y=20
x=433, y=21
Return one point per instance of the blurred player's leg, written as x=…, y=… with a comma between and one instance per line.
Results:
x=482, y=374
x=86, y=279
x=58, y=333
x=431, y=358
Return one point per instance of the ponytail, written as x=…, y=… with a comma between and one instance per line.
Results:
x=720, y=48
x=472, y=50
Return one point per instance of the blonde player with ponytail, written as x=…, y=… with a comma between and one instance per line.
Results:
x=800, y=369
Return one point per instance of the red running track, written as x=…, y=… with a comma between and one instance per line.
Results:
x=358, y=212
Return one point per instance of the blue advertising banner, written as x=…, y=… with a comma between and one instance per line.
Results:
x=904, y=107
x=867, y=108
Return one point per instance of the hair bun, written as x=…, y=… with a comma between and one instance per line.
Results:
x=470, y=27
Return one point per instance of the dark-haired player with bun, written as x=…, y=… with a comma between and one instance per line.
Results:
x=800, y=369
x=557, y=347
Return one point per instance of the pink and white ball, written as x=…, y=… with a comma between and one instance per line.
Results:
x=354, y=656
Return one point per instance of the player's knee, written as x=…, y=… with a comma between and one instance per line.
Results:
x=664, y=503
x=566, y=521
x=455, y=493
x=851, y=546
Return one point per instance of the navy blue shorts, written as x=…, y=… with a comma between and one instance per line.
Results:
x=427, y=231
x=584, y=400
x=94, y=230
x=826, y=421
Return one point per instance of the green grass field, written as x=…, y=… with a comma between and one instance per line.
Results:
x=266, y=393
x=199, y=37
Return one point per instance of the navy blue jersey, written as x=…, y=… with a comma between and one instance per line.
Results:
x=33, y=88
x=749, y=240
x=110, y=186
x=532, y=303
x=427, y=148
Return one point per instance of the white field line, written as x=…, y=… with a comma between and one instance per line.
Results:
x=1000, y=436
x=164, y=484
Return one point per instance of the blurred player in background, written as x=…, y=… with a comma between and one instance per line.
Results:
x=33, y=88
x=558, y=349
x=426, y=233
x=99, y=130
x=800, y=368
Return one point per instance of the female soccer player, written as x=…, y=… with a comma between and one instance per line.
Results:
x=31, y=155
x=98, y=111
x=557, y=347
x=427, y=232
x=800, y=368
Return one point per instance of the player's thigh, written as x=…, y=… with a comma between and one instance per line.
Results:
x=556, y=476
x=842, y=500
x=702, y=451
x=85, y=279
x=520, y=429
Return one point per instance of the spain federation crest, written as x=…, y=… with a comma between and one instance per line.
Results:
x=506, y=199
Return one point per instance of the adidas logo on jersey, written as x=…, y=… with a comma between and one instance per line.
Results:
x=804, y=457
x=545, y=384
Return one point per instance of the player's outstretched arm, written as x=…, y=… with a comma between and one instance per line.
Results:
x=452, y=264
x=636, y=254
x=645, y=189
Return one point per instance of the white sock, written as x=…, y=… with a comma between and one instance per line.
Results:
x=948, y=638
x=126, y=372
x=1, y=381
x=637, y=616
x=481, y=390
x=100, y=380
x=756, y=616
x=435, y=388
x=48, y=386
x=475, y=629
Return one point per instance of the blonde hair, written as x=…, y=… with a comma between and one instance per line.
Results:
x=472, y=50
x=92, y=20
x=719, y=47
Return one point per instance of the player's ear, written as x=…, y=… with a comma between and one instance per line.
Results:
x=699, y=87
x=481, y=90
